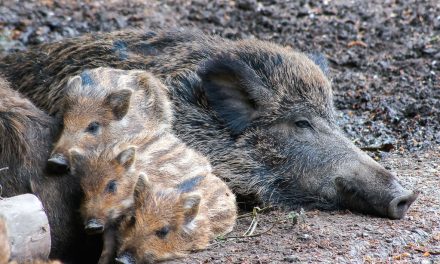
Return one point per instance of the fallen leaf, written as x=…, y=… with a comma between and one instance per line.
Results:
x=357, y=43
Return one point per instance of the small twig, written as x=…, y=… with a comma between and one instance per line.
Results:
x=256, y=209
x=5, y=168
x=387, y=147
x=254, y=222
x=423, y=251
x=258, y=234
x=357, y=43
x=252, y=227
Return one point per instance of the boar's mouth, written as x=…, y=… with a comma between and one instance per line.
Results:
x=393, y=204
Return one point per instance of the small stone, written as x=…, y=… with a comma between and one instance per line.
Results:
x=429, y=51
x=247, y=4
x=291, y=258
x=305, y=237
x=431, y=170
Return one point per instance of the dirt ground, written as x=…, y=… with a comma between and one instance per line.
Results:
x=344, y=237
x=385, y=68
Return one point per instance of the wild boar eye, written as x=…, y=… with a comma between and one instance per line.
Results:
x=163, y=232
x=111, y=187
x=303, y=124
x=93, y=128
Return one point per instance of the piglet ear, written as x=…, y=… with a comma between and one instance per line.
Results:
x=73, y=88
x=233, y=90
x=119, y=102
x=142, y=188
x=74, y=83
x=77, y=160
x=320, y=60
x=127, y=157
x=191, y=203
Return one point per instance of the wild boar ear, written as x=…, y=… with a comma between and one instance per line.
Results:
x=320, y=60
x=127, y=157
x=191, y=203
x=233, y=90
x=119, y=102
x=76, y=160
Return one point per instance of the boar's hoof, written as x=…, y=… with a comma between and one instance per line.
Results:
x=57, y=164
x=125, y=258
x=399, y=205
x=94, y=226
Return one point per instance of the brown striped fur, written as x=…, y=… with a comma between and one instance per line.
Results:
x=168, y=162
x=107, y=168
x=168, y=223
x=122, y=104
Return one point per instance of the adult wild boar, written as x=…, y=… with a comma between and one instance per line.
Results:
x=262, y=113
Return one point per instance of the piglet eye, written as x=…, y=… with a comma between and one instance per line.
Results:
x=303, y=124
x=93, y=128
x=132, y=221
x=111, y=187
x=163, y=232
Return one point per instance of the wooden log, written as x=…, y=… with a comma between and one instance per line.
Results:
x=27, y=227
x=5, y=250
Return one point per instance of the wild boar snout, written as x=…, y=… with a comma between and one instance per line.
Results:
x=369, y=187
x=125, y=258
x=94, y=226
x=57, y=163
x=401, y=203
